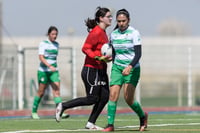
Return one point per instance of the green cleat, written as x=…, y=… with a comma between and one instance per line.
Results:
x=35, y=116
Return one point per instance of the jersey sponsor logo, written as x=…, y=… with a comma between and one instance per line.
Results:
x=101, y=83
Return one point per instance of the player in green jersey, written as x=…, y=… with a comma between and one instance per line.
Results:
x=126, y=43
x=48, y=71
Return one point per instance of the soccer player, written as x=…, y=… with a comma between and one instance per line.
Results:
x=126, y=43
x=94, y=71
x=48, y=71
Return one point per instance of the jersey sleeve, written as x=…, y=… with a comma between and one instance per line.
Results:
x=41, y=48
x=110, y=39
x=136, y=38
x=91, y=40
x=58, y=46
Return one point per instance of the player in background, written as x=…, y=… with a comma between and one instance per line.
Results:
x=126, y=43
x=48, y=71
x=94, y=71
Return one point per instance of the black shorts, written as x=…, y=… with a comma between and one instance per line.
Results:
x=95, y=81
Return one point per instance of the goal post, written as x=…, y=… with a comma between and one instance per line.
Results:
x=20, y=78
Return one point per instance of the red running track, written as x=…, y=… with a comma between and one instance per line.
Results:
x=50, y=112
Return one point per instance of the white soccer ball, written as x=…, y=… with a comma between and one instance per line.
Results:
x=106, y=50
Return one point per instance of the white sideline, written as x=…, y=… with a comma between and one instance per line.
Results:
x=163, y=125
x=78, y=130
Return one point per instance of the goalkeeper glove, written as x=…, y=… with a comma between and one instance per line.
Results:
x=102, y=58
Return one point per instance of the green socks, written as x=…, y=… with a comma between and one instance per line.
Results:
x=57, y=100
x=112, y=106
x=38, y=99
x=36, y=103
x=137, y=108
x=111, y=111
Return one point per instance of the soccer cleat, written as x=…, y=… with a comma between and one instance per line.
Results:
x=59, y=112
x=35, y=116
x=143, y=122
x=93, y=127
x=108, y=128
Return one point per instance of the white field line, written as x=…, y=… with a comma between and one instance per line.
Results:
x=163, y=125
x=42, y=131
x=86, y=130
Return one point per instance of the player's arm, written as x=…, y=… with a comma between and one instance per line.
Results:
x=90, y=41
x=88, y=46
x=138, y=54
x=42, y=48
x=87, y=49
x=137, y=49
x=44, y=61
x=113, y=53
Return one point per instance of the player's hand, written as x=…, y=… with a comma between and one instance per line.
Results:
x=127, y=70
x=53, y=69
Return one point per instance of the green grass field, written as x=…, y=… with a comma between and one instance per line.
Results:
x=127, y=123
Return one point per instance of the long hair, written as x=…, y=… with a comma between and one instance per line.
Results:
x=124, y=12
x=91, y=23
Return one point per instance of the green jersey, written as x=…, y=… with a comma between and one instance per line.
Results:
x=50, y=51
x=123, y=44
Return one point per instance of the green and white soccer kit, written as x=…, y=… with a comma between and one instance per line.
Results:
x=50, y=51
x=123, y=44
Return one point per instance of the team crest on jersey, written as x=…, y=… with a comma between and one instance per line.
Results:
x=42, y=79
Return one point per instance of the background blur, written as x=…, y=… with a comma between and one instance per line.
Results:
x=170, y=37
